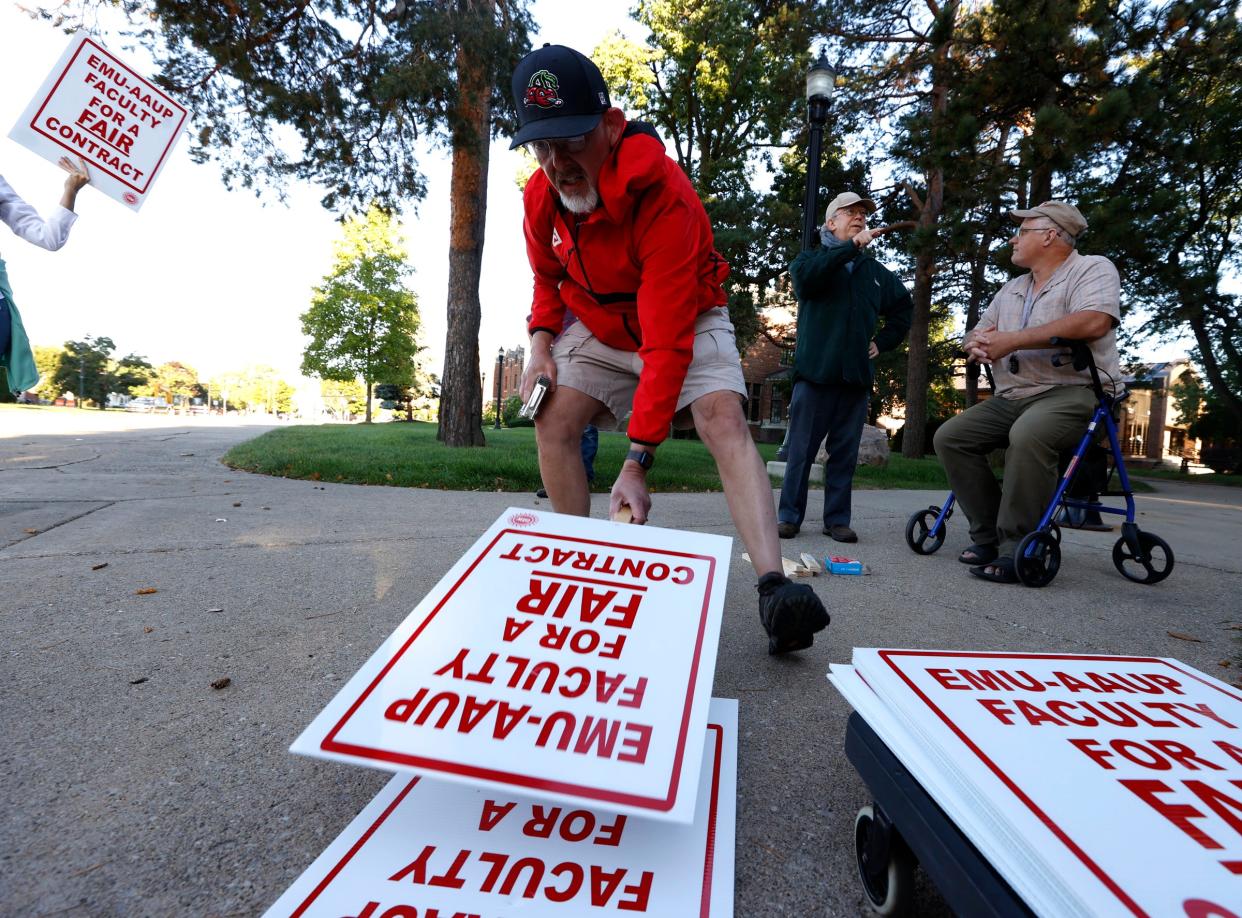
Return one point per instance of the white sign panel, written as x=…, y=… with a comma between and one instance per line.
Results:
x=566, y=657
x=95, y=106
x=423, y=849
x=1121, y=776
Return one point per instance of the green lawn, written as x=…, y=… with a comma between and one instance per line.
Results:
x=1231, y=481
x=408, y=455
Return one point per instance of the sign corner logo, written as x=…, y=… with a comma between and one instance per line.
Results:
x=523, y=520
x=130, y=197
x=543, y=90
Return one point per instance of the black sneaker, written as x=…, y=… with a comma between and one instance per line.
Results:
x=790, y=612
x=542, y=493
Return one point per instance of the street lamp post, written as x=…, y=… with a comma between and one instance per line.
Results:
x=820, y=81
x=500, y=369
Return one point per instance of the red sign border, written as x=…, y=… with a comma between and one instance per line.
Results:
x=709, y=855
x=1061, y=835
x=330, y=744
x=159, y=163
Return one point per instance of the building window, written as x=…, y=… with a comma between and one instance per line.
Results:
x=787, y=356
x=777, y=414
x=754, y=403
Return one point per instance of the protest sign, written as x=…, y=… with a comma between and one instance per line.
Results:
x=95, y=106
x=1094, y=784
x=567, y=657
x=423, y=849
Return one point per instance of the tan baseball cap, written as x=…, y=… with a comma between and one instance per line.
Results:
x=1062, y=214
x=847, y=199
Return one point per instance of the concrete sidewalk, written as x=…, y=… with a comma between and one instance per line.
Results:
x=132, y=787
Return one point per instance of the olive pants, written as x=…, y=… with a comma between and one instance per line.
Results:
x=1032, y=431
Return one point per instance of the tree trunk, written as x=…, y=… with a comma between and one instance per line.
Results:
x=461, y=393
x=912, y=440
x=367, y=382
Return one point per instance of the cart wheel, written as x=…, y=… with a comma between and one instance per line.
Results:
x=890, y=885
x=919, y=535
x=1044, y=559
x=1154, y=566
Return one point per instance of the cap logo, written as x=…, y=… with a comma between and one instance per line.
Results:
x=542, y=90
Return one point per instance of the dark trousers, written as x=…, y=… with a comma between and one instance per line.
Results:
x=590, y=446
x=6, y=326
x=816, y=411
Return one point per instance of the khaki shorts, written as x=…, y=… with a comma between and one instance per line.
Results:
x=610, y=375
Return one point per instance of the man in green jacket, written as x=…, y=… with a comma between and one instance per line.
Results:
x=843, y=294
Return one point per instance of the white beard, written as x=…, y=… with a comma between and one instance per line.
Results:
x=580, y=203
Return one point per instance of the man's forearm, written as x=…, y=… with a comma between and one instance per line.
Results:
x=1088, y=324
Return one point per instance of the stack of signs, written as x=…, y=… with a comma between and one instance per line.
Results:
x=547, y=707
x=1095, y=785
x=95, y=106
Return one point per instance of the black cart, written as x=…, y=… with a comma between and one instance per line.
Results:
x=904, y=827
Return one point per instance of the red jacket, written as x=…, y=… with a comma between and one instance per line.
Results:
x=637, y=271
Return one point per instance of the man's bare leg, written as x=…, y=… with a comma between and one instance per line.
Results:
x=558, y=432
x=790, y=613
x=721, y=425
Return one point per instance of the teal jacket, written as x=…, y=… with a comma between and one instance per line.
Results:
x=19, y=360
x=839, y=311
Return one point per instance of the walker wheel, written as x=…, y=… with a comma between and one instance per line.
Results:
x=919, y=535
x=1037, y=558
x=885, y=864
x=1155, y=564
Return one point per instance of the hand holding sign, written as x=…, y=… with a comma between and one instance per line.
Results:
x=79, y=175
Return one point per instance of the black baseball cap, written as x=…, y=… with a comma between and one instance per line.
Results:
x=558, y=93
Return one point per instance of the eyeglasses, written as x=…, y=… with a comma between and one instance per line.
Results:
x=542, y=149
x=1036, y=229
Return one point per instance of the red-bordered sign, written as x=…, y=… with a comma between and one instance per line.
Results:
x=421, y=845
x=558, y=659
x=95, y=106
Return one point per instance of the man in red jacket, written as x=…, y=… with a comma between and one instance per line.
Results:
x=616, y=235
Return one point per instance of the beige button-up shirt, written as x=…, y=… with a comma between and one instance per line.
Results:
x=1081, y=282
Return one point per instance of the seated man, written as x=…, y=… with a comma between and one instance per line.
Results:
x=1037, y=409
x=615, y=233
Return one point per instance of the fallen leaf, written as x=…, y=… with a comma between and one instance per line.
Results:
x=1183, y=637
x=100, y=566
x=1224, y=663
x=31, y=531
x=147, y=630
x=221, y=683
x=138, y=681
x=146, y=591
x=215, y=610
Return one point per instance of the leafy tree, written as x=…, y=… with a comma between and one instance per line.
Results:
x=254, y=388
x=173, y=380
x=341, y=94
x=87, y=369
x=47, y=358
x=343, y=398
x=363, y=321
x=1168, y=198
x=723, y=82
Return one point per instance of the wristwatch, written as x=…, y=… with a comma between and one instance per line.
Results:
x=644, y=459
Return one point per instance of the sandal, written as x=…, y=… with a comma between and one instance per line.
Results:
x=979, y=554
x=999, y=571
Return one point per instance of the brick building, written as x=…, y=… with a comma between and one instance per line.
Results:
x=510, y=374
x=767, y=369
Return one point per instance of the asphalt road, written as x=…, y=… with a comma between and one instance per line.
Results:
x=132, y=787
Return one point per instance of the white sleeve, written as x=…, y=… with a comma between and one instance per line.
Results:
x=25, y=221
